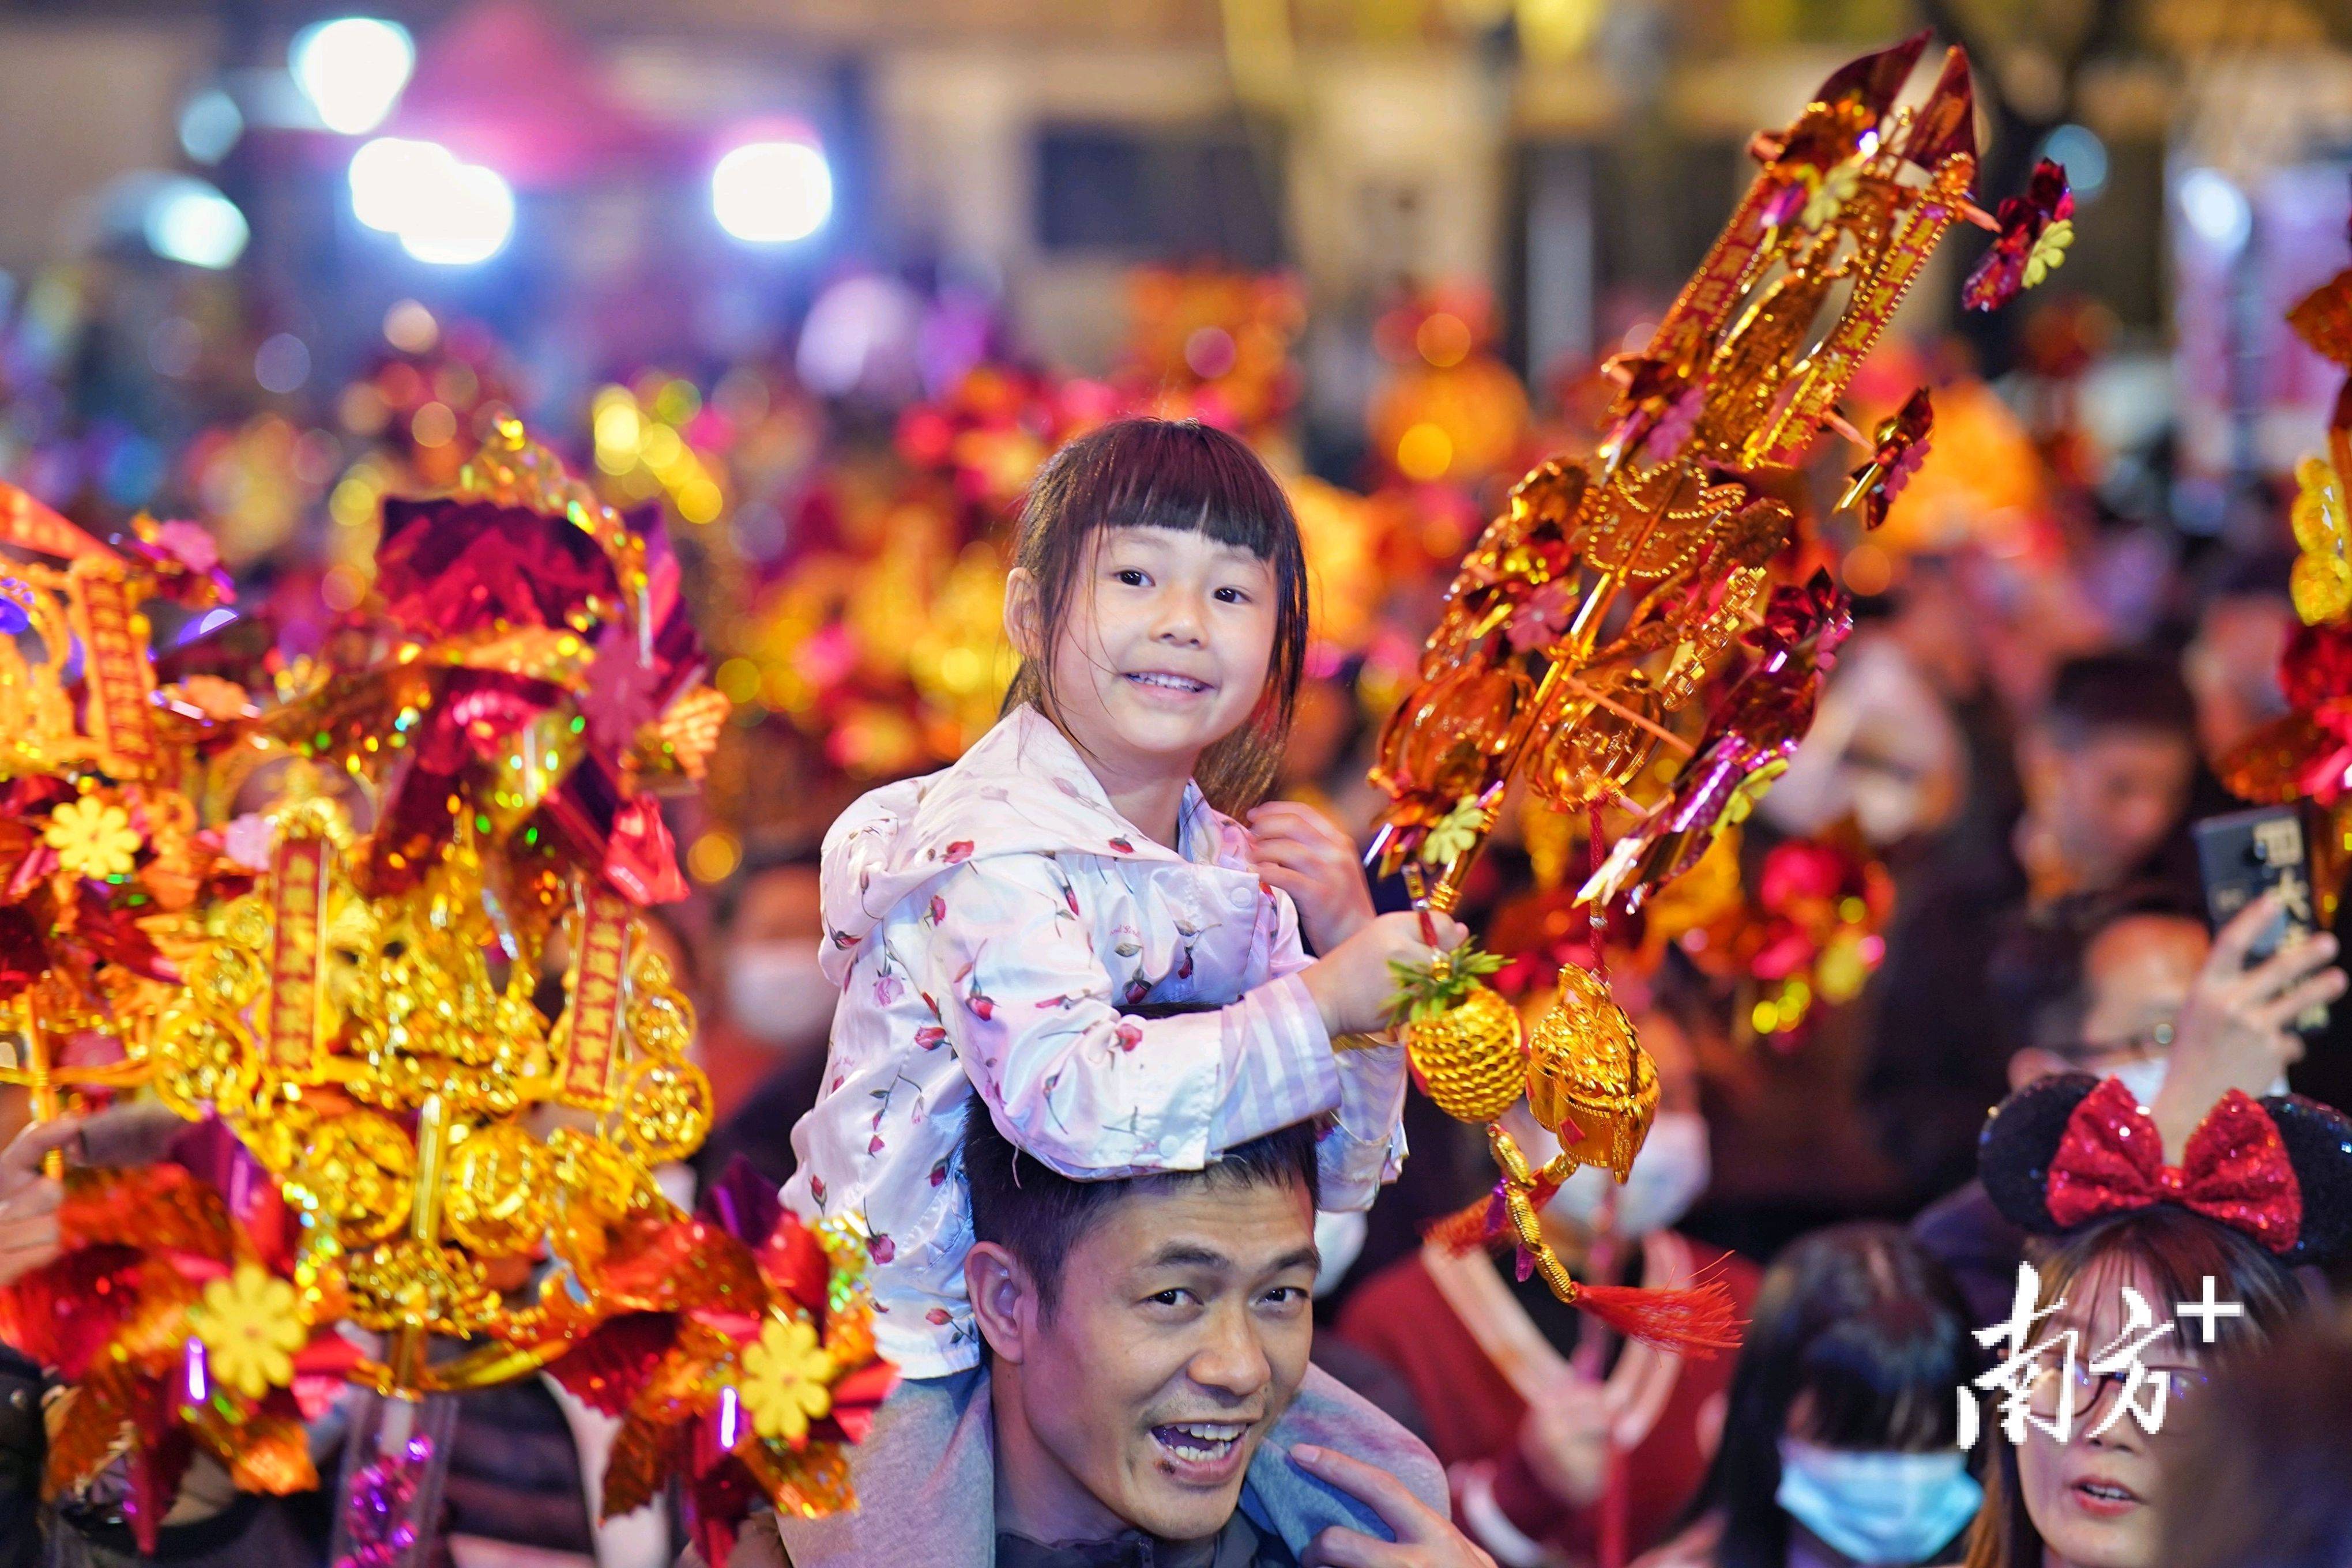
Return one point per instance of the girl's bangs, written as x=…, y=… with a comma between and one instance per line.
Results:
x=1152, y=474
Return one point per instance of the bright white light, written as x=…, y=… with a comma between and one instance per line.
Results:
x=470, y=221
x=394, y=182
x=445, y=211
x=189, y=222
x=2216, y=209
x=352, y=70
x=210, y=125
x=2077, y=148
x=771, y=192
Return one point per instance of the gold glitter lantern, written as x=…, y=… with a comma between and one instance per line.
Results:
x=1590, y=1082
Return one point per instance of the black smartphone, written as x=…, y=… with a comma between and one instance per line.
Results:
x=2245, y=855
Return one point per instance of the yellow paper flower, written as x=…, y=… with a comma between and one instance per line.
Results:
x=1455, y=833
x=787, y=1380
x=251, y=1330
x=2049, y=251
x=93, y=837
x=1831, y=195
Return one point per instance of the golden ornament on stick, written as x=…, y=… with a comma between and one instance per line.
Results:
x=1588, y=619
x=98, y=853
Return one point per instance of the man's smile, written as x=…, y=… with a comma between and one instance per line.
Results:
x=1203, y=1453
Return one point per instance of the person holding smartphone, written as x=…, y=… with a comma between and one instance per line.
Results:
x=2133, y=987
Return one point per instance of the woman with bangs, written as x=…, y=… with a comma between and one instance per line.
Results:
x=2148, y=1278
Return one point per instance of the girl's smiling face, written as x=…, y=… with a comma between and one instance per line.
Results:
x=1163, y=650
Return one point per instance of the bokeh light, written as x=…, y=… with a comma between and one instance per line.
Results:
x=771, y=192
x=2216, y=209
x=210, y=125
x=2078, y=150
x=282, y=364
x=445, y=211
x=1425, y=452
x=352, y=70
x=188, y=220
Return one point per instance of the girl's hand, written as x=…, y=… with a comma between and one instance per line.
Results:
x=1305, y=854
x=1351, y=984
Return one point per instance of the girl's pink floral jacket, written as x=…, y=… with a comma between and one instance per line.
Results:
x=987, y=924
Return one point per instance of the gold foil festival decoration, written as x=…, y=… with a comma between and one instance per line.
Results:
x=1589, y=619
x=469, y=781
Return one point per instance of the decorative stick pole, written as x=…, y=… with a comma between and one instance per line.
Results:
x=40, y=1083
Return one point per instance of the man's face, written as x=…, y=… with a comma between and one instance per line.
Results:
x=2109, y=798
x=1180, y=1335
x=2137, y=975
x=2138, y=971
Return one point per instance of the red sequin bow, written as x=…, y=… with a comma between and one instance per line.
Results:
x=2234, y=1170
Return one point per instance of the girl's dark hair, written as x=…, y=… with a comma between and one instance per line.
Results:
x=1868, y=1331
x=2179, y=1251
x=1186, y=477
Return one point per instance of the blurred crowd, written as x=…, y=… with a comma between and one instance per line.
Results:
x=1978, y=874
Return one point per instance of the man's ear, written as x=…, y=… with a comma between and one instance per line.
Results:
x=1022, y=619
x=1003, y=1300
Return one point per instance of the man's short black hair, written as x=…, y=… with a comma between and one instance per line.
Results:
x=2102, y=692
x=1037, y=1214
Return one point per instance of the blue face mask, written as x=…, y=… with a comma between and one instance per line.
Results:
x=1877, y=1507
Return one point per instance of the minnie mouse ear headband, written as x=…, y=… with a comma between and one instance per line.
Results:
x=2072, y=1148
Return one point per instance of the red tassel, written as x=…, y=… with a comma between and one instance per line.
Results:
x=1696, y=1321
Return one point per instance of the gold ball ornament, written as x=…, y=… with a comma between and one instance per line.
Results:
x=501, y=1194
x=361, y=1169
x=1590, y=1082
x=2321, y=587
x=227, y=977
x=666, y=1111
x=405, y=1282
x=245, y=923
x=663, y=1023
x=649, y=970
x=1465, y=1042
x=201, y=1060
